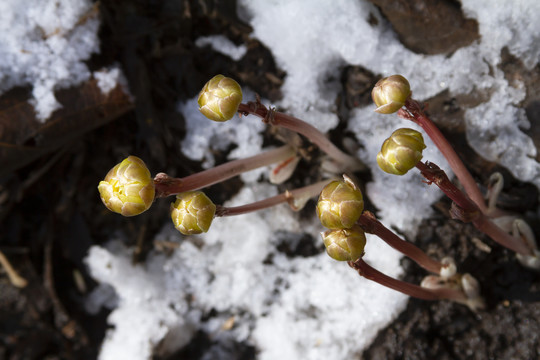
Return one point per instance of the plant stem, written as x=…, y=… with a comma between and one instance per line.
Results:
x=303, y=193
x=416, y=291
x=437, y=176
x=166, y=185
x=417, y=115
x=315, y=136
x=467, y=211
x=484, y=224
x=371, y=225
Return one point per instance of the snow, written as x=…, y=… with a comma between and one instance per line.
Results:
x=44, y=44
x=204, y=134
x=223, y=45
x=312, y=307
x=313, y=300
x=109, y=78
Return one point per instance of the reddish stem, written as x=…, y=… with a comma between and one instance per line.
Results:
x=435, y=175
x=288, y=196
x=416, y=291
x=255, y=206
x=165, y=185
x=290, y=122
x=484, y=224
x=416, y=114
x=371, y=225
x=467, y=211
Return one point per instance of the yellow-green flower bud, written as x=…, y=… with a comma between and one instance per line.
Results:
x=345, y=244
x=340, y=204
x=219, y=98
x=192, y=212
x=128, y=188
x=390, y=93
x=401, y=151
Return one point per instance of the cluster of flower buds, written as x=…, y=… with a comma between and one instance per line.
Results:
x=401, y=151
x=339, y=206
x=129, y=190
x=219, y=99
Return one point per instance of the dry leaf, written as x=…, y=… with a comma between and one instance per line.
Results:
x=84, y=108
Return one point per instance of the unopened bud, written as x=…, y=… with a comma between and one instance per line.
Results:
x=128, y=188
x=192, y=212
x=345, y=244
x=219, y=99
x=390, y=94
x=340, y=204
x=401, y=151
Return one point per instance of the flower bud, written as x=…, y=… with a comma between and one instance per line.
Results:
x=390, y=93
x=401, y=151
x=345, y=244
x=340, y=204
x=128, y=188
x=219, y=98
x=192, y=212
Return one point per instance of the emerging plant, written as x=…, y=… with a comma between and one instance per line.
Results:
x=346, y=243
x=469, y=206
x=128, y=189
